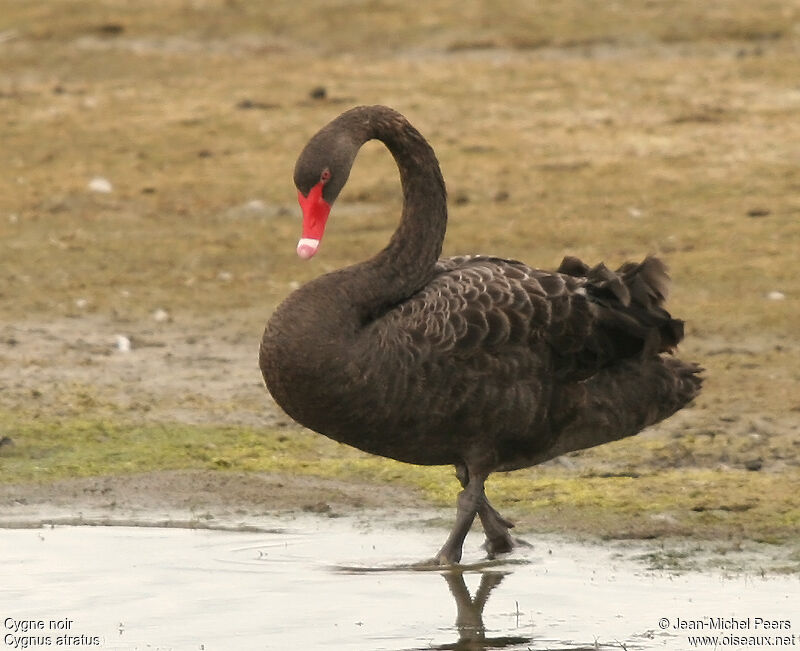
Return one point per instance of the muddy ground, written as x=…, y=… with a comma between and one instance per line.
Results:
x=62, y=370
x=148, y=223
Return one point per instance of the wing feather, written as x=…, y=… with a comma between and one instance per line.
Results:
x=479, y=307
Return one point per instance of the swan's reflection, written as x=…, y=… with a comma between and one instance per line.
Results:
x=472, y=634
x=469, y=616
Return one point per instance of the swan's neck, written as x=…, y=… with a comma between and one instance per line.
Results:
x=407, y=262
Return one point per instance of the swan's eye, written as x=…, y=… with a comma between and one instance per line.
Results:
x=325, y=176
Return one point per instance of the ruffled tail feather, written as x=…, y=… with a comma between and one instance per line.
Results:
x=629, y=306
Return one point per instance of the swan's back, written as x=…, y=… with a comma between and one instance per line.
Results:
x=489, y=346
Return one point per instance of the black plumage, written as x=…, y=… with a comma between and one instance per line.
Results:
x=476, y=361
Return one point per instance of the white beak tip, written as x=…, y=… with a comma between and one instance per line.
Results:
x=307, y=247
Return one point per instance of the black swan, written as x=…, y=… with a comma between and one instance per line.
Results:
x=476, y=361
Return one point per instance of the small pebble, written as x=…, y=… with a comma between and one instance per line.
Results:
x=111, y=29
x=160, y=315
x=81, y=303
x=99, y=184
x=776, y=296
x=754, y=464
x=123, y=344
x=249, y=104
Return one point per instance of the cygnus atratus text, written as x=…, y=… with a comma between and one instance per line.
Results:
x=476, y=361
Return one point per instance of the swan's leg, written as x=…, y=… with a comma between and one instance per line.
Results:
x=469, y=500
x=495, y=526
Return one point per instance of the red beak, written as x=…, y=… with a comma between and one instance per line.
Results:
x=315, y=216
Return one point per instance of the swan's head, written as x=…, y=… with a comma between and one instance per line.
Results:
x=320, y=174
x=316, y=210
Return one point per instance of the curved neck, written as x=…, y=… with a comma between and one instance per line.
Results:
x=407, y=262
x=417, y=243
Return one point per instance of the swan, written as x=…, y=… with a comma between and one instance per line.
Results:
x=479, y=362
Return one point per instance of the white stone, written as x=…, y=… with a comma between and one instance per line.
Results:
x=99, y=184
x=160, y=315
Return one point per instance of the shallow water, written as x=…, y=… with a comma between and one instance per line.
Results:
x=333, y=584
